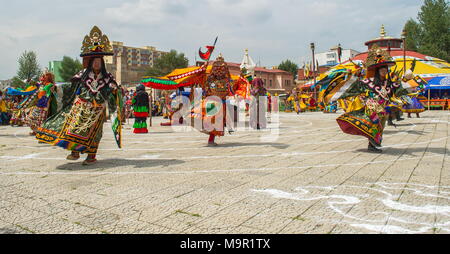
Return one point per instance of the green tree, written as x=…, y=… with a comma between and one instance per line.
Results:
x=431, y=34
x=289, y=66
x=69, y=67
x=413, y=35
x=28, y=66
x=17, y=83
x=434, y=18
x=167, y=63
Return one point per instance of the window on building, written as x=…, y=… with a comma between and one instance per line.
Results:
x=270, y=83
x=331, y=55
x=331, y=62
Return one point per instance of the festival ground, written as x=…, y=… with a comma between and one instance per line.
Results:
x=313, y=179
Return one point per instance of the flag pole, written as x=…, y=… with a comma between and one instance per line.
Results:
x=314, y=69
x=151, y=106
x=404, y=51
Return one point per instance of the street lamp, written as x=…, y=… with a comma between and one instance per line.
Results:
x=339, y=51
x=404, y=51
x=313, y=47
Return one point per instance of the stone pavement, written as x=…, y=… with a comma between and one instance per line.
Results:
x=312, y=179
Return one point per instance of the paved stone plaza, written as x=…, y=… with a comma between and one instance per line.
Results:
x=312, y=179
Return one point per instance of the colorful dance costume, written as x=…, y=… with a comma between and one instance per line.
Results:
x=45, y=105
x=369, y=121
x=211, y=114
x=141, y=110
x=258, y=121
x=78, y=126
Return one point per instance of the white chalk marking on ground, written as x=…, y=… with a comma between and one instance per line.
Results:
x=205, y=147
x=23, y=157
x=209, y=170
x=248, y=155
x=340, y=203
x=388, y=229
x=17, y=132
x=439, y=121
x=401, y=132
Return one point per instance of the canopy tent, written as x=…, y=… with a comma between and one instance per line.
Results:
x=439, y=83
x=177, y=78
x=181, y=78
x=426, y=67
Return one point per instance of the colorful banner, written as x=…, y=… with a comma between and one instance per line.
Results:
x=117, y=119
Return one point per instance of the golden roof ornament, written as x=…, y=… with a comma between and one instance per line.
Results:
x=382, y=32
x=96, y=44
x=220, y=57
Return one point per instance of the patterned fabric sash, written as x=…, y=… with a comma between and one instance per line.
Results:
x=82, y=122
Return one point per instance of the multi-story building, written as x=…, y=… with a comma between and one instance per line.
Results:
x=324, y=60
x=4, y=84
x=275, y=81
x=331, y=58
x=54, y=67
x=129, y=64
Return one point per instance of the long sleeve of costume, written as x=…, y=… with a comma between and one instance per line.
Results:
x=112, y=94
x=358, y=87
x=68, y=92
x=112, y=100
x=78, y=126
x=400, y=91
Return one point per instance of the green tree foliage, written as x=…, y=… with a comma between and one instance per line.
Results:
x=431, y=34
x=289, y=66
x=17, y=83
x=28, y=66
x=413, y=32
x=69, y=67
x=167, y=63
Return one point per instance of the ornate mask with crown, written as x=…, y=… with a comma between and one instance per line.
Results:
x=218, y=80
x=219, y=70
x=376, y=58
x=96, y=44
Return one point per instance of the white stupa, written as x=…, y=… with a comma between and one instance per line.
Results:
x=248, y=64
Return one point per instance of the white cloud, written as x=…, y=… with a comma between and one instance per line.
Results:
x=147, y=11
x=272, y=30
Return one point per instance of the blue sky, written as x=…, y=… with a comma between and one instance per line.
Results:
x=272, y=30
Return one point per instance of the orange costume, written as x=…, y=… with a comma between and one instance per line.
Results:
x=212, y=115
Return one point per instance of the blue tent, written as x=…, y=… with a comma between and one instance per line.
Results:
x=439, y=83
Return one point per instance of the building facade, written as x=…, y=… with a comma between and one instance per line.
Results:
x=330, y=58
x=129, y=64
x=275, y=81
x=54, y=67
x=4, y=84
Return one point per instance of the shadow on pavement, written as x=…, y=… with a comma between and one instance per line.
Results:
x=16, y=135
x=9, y=231
x=275, y=145
x=428, y=123
x=416, y=151
x=115, y=163
x=409, y=132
